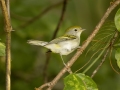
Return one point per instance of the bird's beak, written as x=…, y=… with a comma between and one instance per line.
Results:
x=83, y=29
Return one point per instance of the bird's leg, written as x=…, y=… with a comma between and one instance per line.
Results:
x=68, y=68
x=78, y=48
x=63, y=60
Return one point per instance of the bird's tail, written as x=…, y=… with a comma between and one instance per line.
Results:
x=36, y=42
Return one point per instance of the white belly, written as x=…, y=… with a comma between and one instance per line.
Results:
x=68, y=47
x=64, y=48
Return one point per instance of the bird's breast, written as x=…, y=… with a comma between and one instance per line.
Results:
x=64, y=48
x=68, y=47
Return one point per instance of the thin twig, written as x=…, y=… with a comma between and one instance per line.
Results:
x=95, y=71
x=8, y=29
x=97, y=58
x=40, y=15
x=54, y=35
x=83, y=47
x=104, y=58
x=44, y=85
x=86, y=64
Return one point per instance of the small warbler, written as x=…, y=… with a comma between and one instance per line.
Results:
x=63, y=45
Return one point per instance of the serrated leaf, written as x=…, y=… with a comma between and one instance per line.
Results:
x=117, y=56
x=79, y=82
x=117, y=44
x=2, y=49
x=117, y=20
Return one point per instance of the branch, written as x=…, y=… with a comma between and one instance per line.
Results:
x=8, y=6
x=83, y=47
x=6, y=16
x=8, y=29
x=54, y=35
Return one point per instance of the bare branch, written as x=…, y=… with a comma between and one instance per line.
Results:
x=8, y=28
x=6, y=16
x=8, y=6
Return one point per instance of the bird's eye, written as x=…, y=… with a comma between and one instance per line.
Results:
x=75, y=30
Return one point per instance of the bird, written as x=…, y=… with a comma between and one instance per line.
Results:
x=62, y=45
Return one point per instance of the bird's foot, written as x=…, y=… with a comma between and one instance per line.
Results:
x=68, y=68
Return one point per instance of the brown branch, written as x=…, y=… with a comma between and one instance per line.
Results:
x=83, y=47
x=40, y=15
x=104, y=58
x=8, y=6
x=8, y=29
x=42, y=86
x=54, y=35
x=6, y=16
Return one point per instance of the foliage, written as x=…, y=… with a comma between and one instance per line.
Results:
x=79, y=82
x=117, y=56
x=117, y=23
x=2, y=49
x=117, y=20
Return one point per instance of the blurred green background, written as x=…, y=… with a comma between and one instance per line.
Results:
x=28, y=61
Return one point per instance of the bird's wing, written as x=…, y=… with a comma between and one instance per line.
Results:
x=62, y=39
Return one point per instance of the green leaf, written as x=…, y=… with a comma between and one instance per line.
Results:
x=91, y=85
x=73, y=82
x=79, y=82
x=117, y=44
x=117, y=56
x=2, y=49
x=117, y=20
